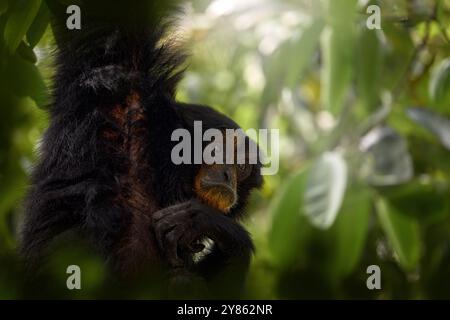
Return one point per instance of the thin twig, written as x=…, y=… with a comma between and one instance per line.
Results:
x=439, y=23
x=422, y=45
x=444, y=32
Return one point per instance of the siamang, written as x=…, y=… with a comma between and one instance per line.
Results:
x=105, y=169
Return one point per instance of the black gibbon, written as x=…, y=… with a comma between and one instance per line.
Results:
x=211, y=219
x=105, y=169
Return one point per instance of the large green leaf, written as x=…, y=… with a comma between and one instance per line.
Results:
x=350, y=230
x=39, y=25
x=440, y=86
x=425, y=200
x=20, y=18
x=402, y=232
x=325, y=190
x=287, y=232
x=338, y=52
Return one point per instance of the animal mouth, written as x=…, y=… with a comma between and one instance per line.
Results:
x=209, y=184
x=222, y=191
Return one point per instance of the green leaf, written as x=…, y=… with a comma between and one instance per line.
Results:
x=425, y=200
x=3, y=6
x=26, y=52
x=368, y=67
x=338, y=46
x=39, y=25
x=340, y=12
x=26, y=81
x=402, y=232
x=300, y=52
x=337, y=69
x=440, y=86
x=350, y=230
x=400, y=48
x=325, y=190
x=287, y=232
x=433, y=122
x=21, y=16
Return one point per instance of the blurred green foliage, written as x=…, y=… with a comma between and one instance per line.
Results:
x=364, y=119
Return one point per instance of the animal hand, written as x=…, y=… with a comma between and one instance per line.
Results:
x=179, y=228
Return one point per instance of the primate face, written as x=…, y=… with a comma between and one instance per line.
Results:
x=218, y=184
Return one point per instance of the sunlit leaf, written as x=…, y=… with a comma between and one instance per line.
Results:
x=325, y=190
x=440, y=85
x=301, y=51
x=438, y=125
x=387, y=160
x=339, y=11
x=369, y=62
x=338, y=52
x=402, y=232
x=20, y=18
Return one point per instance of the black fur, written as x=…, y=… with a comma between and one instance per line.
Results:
x=105, y=169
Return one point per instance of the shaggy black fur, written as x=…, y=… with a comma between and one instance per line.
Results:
x=105, y=169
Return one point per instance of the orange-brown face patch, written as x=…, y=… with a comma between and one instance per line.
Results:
x=218, y=196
